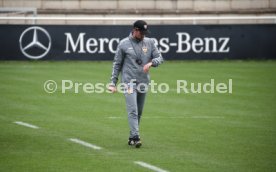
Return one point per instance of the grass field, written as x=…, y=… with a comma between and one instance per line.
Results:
x=180, y=132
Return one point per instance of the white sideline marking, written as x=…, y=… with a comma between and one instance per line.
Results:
x=114, y=117
x=85, y=144
x=146, y=165
x=207, y=117
x=26, y=124
x=183, y=117
x=174, y=117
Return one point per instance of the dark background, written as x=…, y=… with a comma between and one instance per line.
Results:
x=246, y=41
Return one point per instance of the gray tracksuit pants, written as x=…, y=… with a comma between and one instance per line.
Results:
x=128, y=52
x=134, y=105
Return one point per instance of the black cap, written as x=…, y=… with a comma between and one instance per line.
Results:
x=142, y=26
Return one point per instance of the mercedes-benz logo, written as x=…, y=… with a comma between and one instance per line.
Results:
x=35, y=42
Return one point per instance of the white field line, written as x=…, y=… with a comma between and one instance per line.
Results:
x=26, y=124
x=173, y=117
x=207, y=117
x=85, y=144
x=115, y=117
x=148, y=166
x=184, y=117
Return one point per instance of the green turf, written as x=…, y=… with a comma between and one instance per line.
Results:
x=180, y=132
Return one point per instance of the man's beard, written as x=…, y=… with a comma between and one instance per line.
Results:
x=139, y=39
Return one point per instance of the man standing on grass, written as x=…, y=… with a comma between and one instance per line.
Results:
x=134, y=56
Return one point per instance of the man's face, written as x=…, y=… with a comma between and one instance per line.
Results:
x=139, y=35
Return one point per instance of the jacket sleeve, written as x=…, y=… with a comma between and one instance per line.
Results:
x=157, y=58
x=117, y=65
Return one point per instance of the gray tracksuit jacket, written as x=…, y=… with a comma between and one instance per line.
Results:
x=128, y=52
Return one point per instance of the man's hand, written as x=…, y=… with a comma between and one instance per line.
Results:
x=112, y=88
x=147, y=67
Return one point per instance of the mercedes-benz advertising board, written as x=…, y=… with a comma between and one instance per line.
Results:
x=99, y=42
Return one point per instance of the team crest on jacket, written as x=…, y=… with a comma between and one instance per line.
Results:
x=145, y=49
